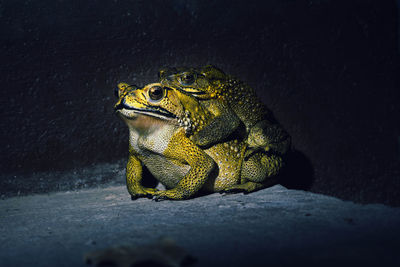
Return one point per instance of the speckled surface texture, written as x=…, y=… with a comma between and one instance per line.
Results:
x=272, y=227
x=327, y=69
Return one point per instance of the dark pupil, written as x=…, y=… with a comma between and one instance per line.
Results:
x=156, y=93
x=188, y=78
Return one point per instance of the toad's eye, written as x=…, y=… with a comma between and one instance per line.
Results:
x=187, y=78
x=156, y=93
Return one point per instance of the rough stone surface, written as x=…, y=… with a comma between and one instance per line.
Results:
x=98, y=175
x=271, y=227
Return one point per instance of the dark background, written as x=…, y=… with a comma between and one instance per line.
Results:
x=327, y=69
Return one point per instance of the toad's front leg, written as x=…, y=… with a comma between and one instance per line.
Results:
x=134, y=171
x=182, y=149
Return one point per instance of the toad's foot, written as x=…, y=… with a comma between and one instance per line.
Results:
x=172, y=194
x=142, y=192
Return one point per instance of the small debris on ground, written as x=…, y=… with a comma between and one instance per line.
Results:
x=164, y=252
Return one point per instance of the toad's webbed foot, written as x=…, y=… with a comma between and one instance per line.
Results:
x=171, y=194
x=142, y=192
x=160, y=198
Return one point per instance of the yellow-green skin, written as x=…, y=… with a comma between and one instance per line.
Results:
x=232, y=103
x=162, y=144
x=160, y=139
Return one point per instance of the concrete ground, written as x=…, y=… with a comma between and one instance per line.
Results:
x=271, y=227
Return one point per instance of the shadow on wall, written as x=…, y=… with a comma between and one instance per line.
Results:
x=299, y=172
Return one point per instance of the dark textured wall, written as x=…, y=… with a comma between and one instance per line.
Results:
x=326, y=68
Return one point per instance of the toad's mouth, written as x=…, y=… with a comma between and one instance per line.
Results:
x=131, y=112
x=191, y=91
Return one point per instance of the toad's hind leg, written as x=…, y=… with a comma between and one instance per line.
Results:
x=258, y=172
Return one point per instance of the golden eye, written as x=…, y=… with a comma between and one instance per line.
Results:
x=156, y=93
x=187, y=78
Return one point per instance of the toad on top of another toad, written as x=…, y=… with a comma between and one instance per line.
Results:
x=231, y=102
x=161, y=122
